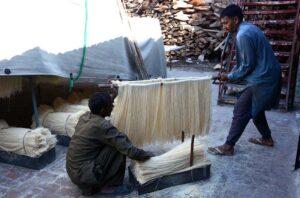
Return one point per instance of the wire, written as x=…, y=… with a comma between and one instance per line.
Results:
x=72, y=80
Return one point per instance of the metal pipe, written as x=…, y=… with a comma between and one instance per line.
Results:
x=34, y=103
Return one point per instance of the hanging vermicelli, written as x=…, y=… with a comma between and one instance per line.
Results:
x=10, y=85
x=49, y=80
x=24, y=141
x=171, y=162
x=159, y=109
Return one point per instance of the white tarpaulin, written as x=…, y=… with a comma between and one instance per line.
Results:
x=46, y=37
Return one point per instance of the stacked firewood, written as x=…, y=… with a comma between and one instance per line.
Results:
x=193, y=24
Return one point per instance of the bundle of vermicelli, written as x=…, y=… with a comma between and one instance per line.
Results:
x=61, y=123
x=171, y=162
x=158, y=110
x=60, y=105
x=84, y=102
x=75, y=97
x=3, y=124
x=10, y=85
x=23, y=141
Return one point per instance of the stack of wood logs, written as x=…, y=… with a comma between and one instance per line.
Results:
x=193, y=24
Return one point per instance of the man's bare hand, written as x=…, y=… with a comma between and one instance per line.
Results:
x=216, y=76
x=223, y=77
x=220, y=76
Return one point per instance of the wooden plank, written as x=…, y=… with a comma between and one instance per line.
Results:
x=284, y=66
x=282, y=54
x=281, y=43
x=274, y=22
x=264, y=12
x=267, y=3
x=279, y=32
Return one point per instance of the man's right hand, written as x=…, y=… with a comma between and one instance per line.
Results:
x=216, y=76
x=220, y=76
x=145, y=156
x=223, y=77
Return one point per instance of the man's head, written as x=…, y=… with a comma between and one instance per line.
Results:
x=100, y=103
x=231, y=17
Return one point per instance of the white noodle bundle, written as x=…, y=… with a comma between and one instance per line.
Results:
x=61, y=123
x=60, y=105
x=10, y=85
x=43, y=111
x=87, y=92
x=75, y=97
x=171, y=162
x=29, y=142
x=3, y=124
x=84, y=102
x=158, y=110
x=58, y=101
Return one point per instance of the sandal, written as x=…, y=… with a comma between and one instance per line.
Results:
x=220, y=150
x=260, y=141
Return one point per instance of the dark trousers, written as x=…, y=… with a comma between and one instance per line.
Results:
x=242, y=114
x=108, y=169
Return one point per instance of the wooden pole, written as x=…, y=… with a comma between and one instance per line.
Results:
x=192, y=151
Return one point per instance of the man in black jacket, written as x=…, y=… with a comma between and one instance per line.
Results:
x=96, y=156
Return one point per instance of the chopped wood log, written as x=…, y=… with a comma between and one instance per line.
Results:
x=189, y=11
x=202, y=8
x=181, y=16
x=192, y=23
x=181, y=4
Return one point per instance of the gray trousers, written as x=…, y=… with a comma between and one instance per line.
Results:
x=242, y=114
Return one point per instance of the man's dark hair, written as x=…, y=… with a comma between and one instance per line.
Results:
x=98, y=101
x=232, y=11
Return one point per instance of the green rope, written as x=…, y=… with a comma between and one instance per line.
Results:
x=72, y=80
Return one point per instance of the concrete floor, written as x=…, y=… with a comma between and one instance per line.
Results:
x=254, y=171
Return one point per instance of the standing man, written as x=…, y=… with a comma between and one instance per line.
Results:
x=259, y=69
x=96, y=157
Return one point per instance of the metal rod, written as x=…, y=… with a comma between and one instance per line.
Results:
x=34, y=103
x=182, y=136
x=297, y=163
x=192, y=151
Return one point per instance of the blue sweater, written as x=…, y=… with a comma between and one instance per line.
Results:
x=257, y=66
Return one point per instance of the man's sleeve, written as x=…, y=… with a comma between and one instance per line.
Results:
x=247, y=54
x=113, y=137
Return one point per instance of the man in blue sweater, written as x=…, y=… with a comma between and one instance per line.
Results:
x=260, y=71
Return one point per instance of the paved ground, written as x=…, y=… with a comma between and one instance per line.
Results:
x=254, y=171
